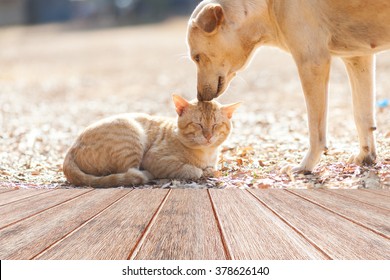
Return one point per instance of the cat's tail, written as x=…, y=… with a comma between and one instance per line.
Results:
x=77, y=177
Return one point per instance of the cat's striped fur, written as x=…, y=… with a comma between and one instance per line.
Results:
x=131, y=149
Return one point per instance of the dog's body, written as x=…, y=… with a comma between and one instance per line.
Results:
x=223, y=34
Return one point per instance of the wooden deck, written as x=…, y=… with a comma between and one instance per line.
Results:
x=194, y=224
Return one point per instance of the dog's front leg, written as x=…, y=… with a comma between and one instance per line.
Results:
x=361, y=72
x=314, y=74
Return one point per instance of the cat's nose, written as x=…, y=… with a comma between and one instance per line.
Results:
x=207, y=135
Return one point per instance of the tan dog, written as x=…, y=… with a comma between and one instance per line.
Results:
x=223, y=34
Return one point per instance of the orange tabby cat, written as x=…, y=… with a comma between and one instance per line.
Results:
x=133, y=149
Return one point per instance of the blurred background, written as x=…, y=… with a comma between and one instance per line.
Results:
x=105, y=12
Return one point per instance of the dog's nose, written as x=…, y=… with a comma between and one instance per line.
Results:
x=208, y=93
x=200, y=96
x=205, y=95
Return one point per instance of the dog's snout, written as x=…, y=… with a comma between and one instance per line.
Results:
x=205, y=95
x=208, y=92
x=200, y=96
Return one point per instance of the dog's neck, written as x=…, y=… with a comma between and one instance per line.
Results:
x=255, y=21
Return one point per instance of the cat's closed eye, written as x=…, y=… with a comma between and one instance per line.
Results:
x=198, y=125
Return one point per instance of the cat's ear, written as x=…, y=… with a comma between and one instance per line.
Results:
x=229, y=109
x=180, y=103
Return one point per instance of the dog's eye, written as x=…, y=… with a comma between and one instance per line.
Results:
x=197, y=58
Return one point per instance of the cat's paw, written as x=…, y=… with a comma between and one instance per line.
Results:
x=190, y=172
x=209, y=172
x=148, y=175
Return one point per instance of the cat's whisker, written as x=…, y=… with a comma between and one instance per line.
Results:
x=241, y=78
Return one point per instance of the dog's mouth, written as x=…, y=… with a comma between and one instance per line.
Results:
x=221, y=83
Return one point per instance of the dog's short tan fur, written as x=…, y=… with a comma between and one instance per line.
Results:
x=223, y=34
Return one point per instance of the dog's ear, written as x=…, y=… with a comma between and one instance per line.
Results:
x=180, y=103
x=210, y=18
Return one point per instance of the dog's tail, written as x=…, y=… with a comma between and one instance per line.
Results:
x=77, y=177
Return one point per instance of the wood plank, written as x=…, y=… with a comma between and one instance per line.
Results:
x=3, y=190
x=369, y=216
x=338, y=237
x=185, y=229
x=253, y=232
x=380, y=192
x=9, y=197
x=366, y=197
x=31, y=236
x=32, y=205
x=112, y=234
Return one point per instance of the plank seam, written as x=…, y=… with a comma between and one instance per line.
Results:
x=291, y=226
x=80, y=226
x=39, y=212
x=25, y=198
x=339, y=214
x=226, y=248
x=367, y=203
x=134, y=252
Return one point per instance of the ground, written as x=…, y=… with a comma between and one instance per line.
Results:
x=57, y=79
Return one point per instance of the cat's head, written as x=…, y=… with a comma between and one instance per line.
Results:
x=203, y=124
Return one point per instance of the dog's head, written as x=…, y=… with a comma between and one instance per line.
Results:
x=216, y=49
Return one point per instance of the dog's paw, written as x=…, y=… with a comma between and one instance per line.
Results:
x=363, y=159
x=294, y=169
